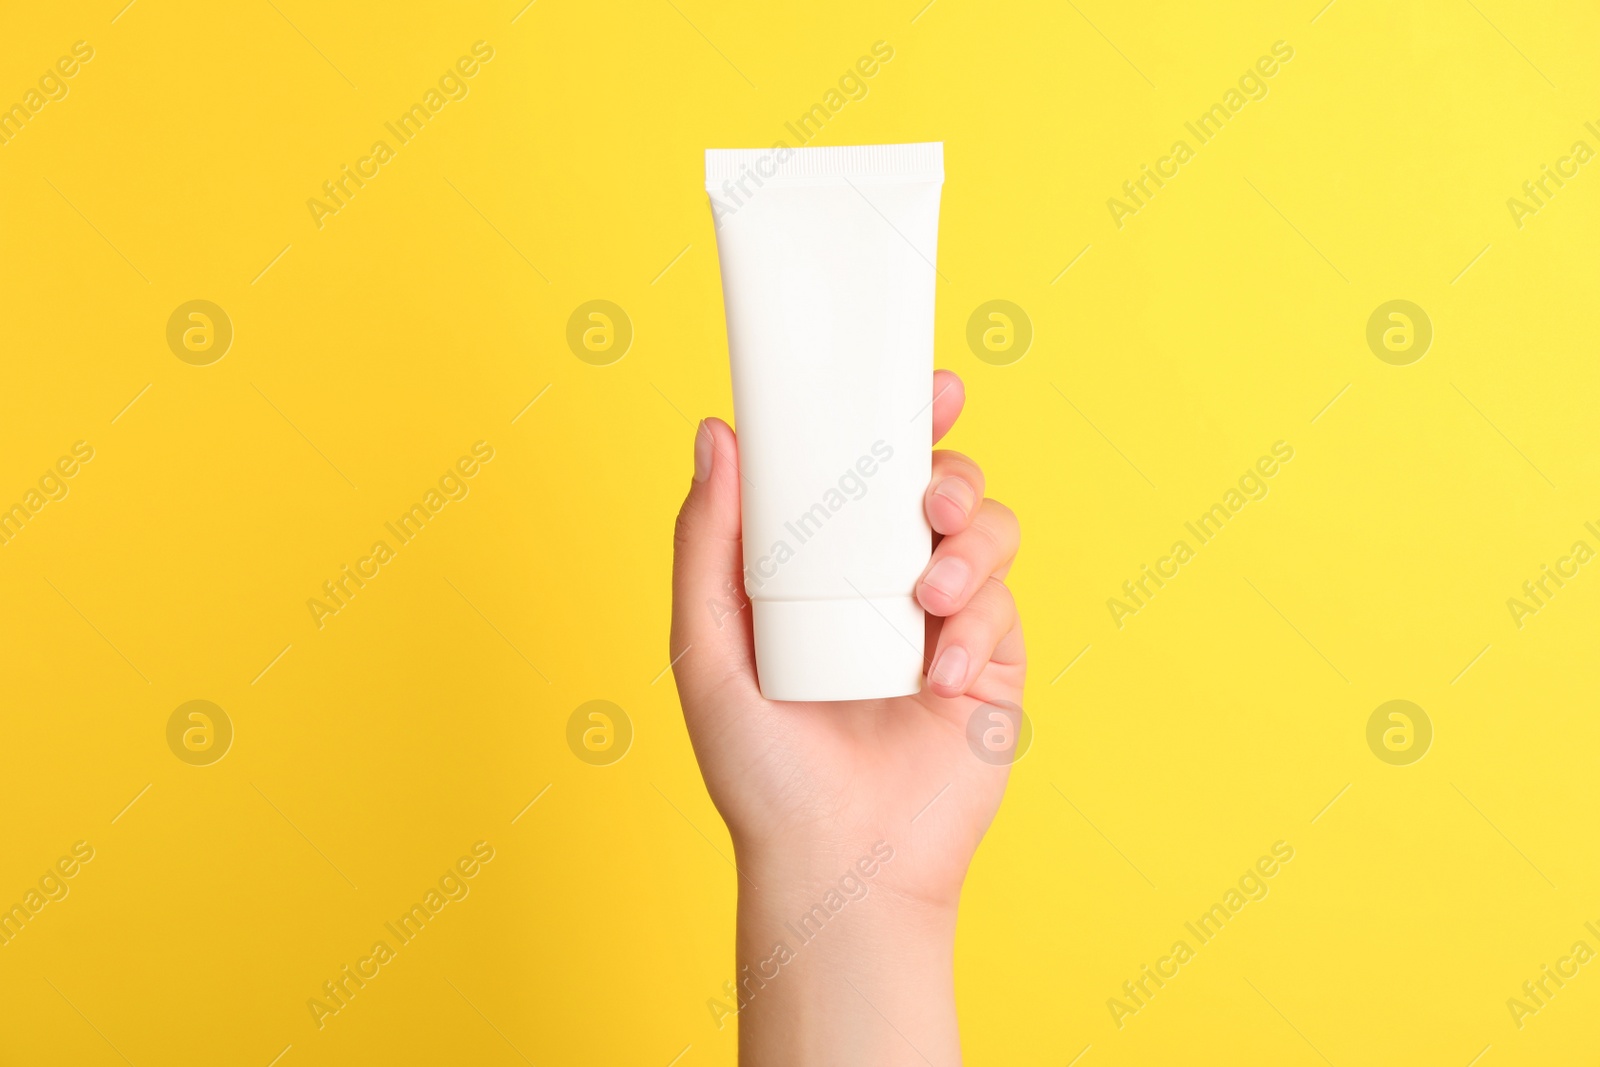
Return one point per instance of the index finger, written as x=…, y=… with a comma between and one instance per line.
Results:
x=948, y=397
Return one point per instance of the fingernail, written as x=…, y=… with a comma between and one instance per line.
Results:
x=957, y=491
x=948, y=576
x=702, y=452
x=951, y=668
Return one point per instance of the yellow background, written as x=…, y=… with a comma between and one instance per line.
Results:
x=371, y=753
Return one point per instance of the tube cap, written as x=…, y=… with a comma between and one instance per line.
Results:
x=856, y=649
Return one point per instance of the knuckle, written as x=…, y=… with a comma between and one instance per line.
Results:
x=998, y=601
x=683, y=526
x=1001, y=526
x=949, y=461
x=990, y=535
x=990, y=611
x=997, y=588
x=1001, y=514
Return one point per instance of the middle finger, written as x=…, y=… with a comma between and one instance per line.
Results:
x=964, y=561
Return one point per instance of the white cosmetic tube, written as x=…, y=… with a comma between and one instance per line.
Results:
x=828, y=280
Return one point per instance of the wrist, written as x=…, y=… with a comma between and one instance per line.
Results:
x=804, y=866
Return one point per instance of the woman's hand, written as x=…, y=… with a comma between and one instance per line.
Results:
x=815, y=795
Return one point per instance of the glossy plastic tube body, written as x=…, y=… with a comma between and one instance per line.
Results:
x=828, y=280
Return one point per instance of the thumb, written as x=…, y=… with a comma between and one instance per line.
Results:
x=711, y=633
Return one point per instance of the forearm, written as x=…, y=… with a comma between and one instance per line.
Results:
x=835, y=968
